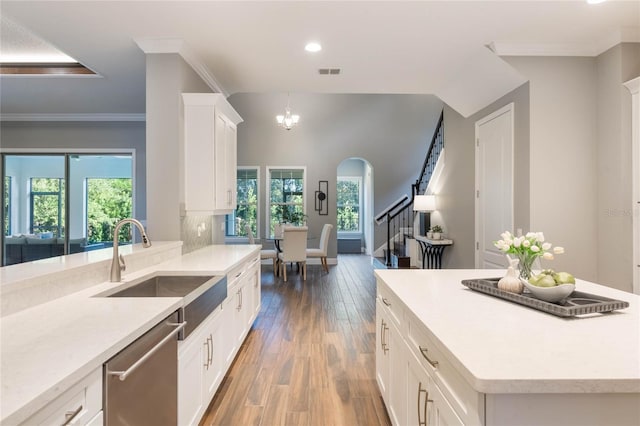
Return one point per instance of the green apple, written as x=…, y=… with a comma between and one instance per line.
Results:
x=533, y=279
x=564, y=278
x=546, y=281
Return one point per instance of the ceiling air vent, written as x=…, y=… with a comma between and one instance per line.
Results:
x=329, y=71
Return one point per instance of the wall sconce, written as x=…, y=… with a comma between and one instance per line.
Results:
x=321, y=200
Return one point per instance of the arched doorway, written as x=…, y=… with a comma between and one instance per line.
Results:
x=354, y=206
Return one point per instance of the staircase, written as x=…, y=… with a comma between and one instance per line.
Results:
x=400, y=218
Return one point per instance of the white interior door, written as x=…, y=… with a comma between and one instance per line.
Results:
x=494, y=185
x=634, y=88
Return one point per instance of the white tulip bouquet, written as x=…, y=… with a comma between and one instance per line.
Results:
x=527, y=248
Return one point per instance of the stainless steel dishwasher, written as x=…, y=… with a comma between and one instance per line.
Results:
x=141, y=381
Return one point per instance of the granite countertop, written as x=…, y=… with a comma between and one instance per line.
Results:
x=503, y=347
x=47, y=348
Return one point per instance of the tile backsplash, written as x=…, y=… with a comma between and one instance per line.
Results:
x=201, y=231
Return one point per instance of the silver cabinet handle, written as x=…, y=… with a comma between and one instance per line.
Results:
x=382, y=345
x=122, y=375
x=420, y=390
x=210, y=359
x=206, y=363
x=386, y=339
x=386, y=302
x=423, y=351
x=70, y=415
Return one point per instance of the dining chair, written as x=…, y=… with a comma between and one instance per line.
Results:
x=321, y=251
x=265, y=253
x=294, y=249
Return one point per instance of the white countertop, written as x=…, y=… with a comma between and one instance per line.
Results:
x=47, y=348
x=503, y=347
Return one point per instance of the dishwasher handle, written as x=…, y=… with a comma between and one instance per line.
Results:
x=122, y=375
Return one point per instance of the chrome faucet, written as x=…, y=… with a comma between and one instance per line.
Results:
x=117, y=263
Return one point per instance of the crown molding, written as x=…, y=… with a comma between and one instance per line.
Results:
x=72, y=117
x=633, y=85
x=178, y=46
x=624, y=35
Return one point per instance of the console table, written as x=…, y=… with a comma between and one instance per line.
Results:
x=432, y=251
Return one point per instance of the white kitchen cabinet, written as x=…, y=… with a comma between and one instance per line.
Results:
x=389, y=364
x=192, y=358
x=79, y=405
x=201, y=368
x=418, y=385
x=205, y=356
x=426, y=405
x=209, y=154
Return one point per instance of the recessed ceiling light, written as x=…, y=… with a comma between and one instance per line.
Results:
x=313, y=47
x=595, y=1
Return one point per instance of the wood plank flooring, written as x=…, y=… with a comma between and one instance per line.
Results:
x=310, y=357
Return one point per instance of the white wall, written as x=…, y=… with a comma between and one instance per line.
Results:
x=455, y=186
x=168, y=76
x=563, y=157
x=581, y=162
x=614, y=188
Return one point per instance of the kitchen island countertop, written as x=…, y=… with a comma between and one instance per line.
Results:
x=503, y=347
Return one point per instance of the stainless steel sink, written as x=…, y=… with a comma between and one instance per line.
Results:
x=164, y=286
x=196, y=311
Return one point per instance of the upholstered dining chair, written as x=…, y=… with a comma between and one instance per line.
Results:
x=294, y=249
x=321, y=251
x=265, y=253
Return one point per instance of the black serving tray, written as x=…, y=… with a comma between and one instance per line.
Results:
x=577, y=303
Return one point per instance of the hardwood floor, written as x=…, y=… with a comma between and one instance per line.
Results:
x=310, y=356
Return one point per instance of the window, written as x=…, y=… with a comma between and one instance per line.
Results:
x=7, y=205
x=286, y=196
x=68, y=201
x=108, y=201
x=348, y=202
x=47, y=199
x=246, y=212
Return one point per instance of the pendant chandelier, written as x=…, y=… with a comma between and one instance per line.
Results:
x=287, y=120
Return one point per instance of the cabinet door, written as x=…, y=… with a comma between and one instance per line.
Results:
x=397, y=406
x=231, y=148
x=225, y=164
x=441, y=412
x=214, y=368
x=191, y=361
x=256, y=299
x=229, y=344
x=418, y=398
x=382, y=359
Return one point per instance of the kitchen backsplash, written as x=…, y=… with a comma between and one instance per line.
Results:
x=201, y=231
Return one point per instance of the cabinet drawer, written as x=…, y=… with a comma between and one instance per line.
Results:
x=391, y=304
x=236, y=274
x=76, y=406
x=466, y=402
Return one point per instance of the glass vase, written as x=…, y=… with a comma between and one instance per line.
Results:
x=525, y=264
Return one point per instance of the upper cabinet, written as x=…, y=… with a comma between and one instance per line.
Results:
x=209, y=147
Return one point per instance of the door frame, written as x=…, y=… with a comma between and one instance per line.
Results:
x=509, y=108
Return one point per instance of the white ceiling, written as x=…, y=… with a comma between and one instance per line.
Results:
x=435, y=47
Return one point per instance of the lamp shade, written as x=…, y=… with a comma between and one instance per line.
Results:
x=424, y=203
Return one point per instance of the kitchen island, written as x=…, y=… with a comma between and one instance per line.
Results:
x=470, y=358
x=48, y=348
